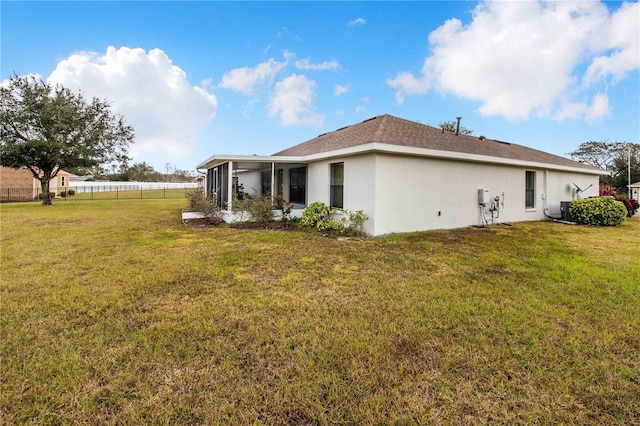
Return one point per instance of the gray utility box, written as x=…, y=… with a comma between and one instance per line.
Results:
x=564, y=211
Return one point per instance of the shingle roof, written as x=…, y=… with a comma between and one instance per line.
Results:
x=397, y=131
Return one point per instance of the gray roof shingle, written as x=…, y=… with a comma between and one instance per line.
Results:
x=397, y=131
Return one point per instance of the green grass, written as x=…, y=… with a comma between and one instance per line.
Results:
x=113, y=312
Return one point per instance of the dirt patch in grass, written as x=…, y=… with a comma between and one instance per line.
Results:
x=201, y=222
x=262, y=226
x=268, y=226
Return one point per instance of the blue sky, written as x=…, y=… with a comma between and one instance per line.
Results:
x=198, y=78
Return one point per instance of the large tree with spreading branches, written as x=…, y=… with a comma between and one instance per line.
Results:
x=616, y=157
x=46, y=128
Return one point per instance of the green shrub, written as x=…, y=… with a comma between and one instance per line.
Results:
x=345, y=222
x=71, y=192
x=209, y=209
x=355, y=221
x=315, y=213
x=195, y=199
x=51, y=195
x=63, y=194
x=260, y=208
x=599, y=211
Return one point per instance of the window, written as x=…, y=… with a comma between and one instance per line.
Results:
x=298, y=185
x=337, y=185
x=530, y=190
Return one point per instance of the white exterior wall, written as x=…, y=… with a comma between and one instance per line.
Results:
x=318, y=181
x=359, y=184
x=415, y=194
x=561, y=188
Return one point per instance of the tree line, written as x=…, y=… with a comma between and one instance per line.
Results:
x=136, y=172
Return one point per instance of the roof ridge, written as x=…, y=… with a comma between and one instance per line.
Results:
x=391, y=130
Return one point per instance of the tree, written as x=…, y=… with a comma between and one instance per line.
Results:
x=614, y=157
x=141, y=172
x=450, y=126
x=172, y=174
x=47, y=128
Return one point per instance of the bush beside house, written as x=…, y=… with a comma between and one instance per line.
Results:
x=598, y=211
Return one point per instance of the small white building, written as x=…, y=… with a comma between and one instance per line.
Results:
x=407, y=176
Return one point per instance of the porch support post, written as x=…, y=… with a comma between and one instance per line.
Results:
x=273, y=169
x=230, y=187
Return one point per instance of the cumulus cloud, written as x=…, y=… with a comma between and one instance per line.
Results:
x=246, y=79
x=339, y=89
x=524, y=58
x=151, y=92
x=305, y=64
x=292, y=102
x=358, y=22
x=598, y=109
x=622, y=40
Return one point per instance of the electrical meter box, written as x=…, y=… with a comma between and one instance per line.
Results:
x=483, y=197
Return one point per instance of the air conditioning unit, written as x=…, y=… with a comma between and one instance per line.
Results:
x=564, y=211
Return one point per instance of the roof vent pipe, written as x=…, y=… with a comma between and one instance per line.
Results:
x=458, y=125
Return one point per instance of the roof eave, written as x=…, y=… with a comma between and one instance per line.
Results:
x=398, y=150
x=218, y=159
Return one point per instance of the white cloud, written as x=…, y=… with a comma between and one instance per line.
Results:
x=622, y=40
x=340, y=89
x=152, y=94
x=523, y=58
x=598, y=109
x=246, y=79
x=292, y=102
x=406, y=84
x=305, y=64
x=358, y=22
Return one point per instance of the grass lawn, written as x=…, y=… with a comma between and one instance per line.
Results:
x=113, y=312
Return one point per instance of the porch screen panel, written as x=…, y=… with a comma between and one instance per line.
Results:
x=280, y=182
x=337, y=185
x=221, y=187
x=298, y=185
x=266, y=182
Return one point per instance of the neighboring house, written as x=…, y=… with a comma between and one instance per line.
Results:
x=19, y=184
x=407, y=176
x=635, y=191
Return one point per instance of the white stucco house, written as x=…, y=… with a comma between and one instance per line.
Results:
x=407, y=176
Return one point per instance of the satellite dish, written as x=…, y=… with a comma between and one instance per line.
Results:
x=580, y=190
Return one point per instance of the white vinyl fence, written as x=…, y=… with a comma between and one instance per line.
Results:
x=85, y=187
